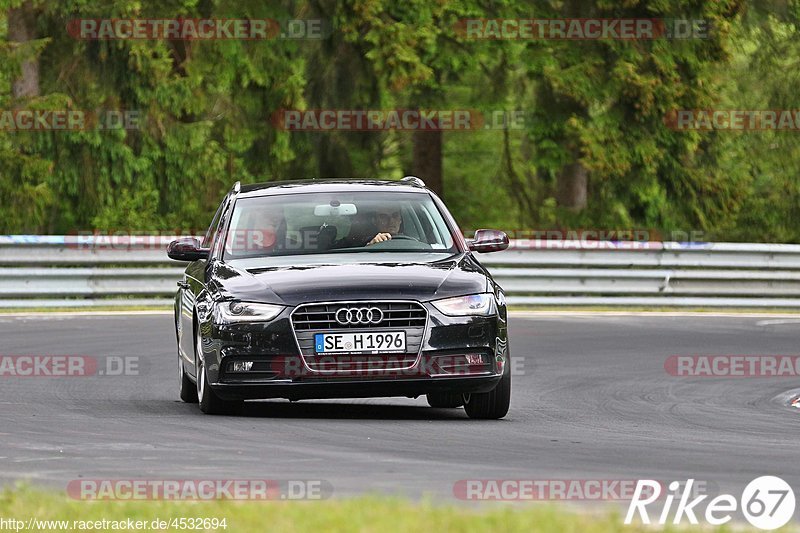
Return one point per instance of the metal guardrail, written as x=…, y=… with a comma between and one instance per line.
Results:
x=67, y=271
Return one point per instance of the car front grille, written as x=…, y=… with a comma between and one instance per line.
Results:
x=322, y=317
x=310, y=319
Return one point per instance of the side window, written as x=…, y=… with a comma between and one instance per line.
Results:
x=209, y=238
x=218, y=239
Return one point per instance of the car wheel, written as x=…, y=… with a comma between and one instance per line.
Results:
x=210, y=403
x=445, y=399
x=493, y=404
x=188, y=389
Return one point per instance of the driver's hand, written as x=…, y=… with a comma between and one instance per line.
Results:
x=380, y=237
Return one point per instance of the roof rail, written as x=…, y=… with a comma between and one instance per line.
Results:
x=413, y=180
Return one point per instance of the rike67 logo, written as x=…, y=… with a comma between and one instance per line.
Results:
x=767, y=503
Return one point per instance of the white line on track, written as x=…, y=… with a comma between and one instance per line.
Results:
x=777, y=322
x=66, y=314
x=715, y=314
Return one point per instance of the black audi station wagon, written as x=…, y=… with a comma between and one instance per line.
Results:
x=340, y=289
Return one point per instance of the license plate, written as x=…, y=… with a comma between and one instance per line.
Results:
x=361, y=342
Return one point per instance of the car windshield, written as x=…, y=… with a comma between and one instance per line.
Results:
x=337, y=223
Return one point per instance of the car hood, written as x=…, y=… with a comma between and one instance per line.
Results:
x=293, y=285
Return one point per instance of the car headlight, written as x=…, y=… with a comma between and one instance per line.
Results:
x=474, y=304
x=233, y=312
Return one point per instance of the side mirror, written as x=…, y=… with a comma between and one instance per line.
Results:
x=488, y=240
x=187, y=249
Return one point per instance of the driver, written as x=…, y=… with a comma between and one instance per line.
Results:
x=388, y=221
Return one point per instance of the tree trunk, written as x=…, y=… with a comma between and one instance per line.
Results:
x=572, y=186
x=21, y=29
x=427, y=163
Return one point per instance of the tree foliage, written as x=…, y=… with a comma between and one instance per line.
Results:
x=594, y=150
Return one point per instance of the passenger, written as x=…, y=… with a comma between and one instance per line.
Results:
x=260, y=232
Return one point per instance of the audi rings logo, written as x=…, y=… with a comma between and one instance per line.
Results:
x=353, y=316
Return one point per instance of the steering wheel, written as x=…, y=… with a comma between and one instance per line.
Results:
x=396, y=243
x=404, y=237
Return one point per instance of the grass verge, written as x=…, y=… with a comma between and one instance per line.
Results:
x=368, y=513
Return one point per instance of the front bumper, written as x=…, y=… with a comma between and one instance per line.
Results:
x=362, y=387
x=456, y=354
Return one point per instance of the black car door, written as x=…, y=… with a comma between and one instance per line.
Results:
x=193, y=283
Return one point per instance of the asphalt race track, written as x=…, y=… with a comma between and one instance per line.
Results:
x=592, y=400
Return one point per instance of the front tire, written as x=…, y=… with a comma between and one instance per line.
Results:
x=448, y=400
x=494, y=404
x=210, y=403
